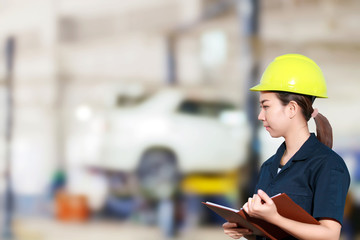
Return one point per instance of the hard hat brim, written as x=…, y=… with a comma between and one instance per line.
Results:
x=261, y=88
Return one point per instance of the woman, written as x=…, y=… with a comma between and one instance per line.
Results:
x=304, y=166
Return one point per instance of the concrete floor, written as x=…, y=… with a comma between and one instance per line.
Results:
x=46, y=229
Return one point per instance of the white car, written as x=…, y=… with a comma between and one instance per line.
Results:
x=169, y=135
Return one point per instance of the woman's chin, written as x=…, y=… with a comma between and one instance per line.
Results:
x=274, y=135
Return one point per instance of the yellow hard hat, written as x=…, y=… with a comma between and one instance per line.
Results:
x=293, y=73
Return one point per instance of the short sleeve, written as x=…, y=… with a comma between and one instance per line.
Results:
x=332, y=184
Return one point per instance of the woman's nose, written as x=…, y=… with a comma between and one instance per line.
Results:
x=261, y=115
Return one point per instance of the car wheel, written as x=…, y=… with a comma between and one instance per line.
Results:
x=158, y=174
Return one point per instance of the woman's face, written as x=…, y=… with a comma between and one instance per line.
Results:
x=273, y=114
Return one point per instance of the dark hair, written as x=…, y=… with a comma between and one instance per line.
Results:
x=323, y=127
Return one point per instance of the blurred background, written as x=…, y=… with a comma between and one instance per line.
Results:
x=119, y=117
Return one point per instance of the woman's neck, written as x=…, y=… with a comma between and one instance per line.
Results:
x=293, y=142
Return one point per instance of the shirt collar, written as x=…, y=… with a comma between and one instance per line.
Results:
x=307, y=149
x=302, y=154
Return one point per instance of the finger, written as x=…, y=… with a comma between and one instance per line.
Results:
x=246, y=207
x=256, y=200
x=237, y=232
x=229, y=225
x=245, y=231
x=235, y=235
x=264, y=196
x=249, y=202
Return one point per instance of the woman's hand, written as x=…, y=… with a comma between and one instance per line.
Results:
x=261, y=206
x=232, y=230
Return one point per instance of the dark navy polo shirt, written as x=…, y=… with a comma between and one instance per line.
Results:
x=316, y=178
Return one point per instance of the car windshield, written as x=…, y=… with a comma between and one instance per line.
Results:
x=209, y=109
x=129, y=101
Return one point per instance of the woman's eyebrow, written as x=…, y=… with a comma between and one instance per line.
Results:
x=263, y=101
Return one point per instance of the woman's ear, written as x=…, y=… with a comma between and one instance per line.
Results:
x=293, y=108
